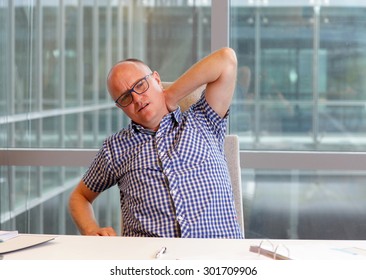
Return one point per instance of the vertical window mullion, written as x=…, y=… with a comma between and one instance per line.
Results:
x=61, y=45
x=96, y=79
x=108, y=117
x=11, y=106
x=257, y=69
x=315, y=75
x=120, y=45
x=220, y=15
x=38, y=96
x=61, y=200
x=95, y=67
x=80, y=72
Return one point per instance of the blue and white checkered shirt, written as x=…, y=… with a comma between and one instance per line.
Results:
x=173, y=183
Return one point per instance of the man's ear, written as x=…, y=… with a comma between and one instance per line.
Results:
x=156, y=76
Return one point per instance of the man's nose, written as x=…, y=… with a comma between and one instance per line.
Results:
x=136, y=98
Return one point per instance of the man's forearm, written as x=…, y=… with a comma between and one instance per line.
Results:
x=82, y=213
x=217, y=70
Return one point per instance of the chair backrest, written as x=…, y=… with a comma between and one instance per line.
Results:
x=232, y=156
x=233, y=161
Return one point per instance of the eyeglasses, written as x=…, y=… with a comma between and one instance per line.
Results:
x=139, y=87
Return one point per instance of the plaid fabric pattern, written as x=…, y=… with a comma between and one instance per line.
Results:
x=174, y=183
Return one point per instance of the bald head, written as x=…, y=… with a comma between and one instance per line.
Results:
x=123, y=75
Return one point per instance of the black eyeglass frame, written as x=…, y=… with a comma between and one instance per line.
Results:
x=129, y=92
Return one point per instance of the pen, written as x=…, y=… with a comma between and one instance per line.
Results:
x=160, y=253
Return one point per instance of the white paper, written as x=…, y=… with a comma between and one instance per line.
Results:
x=23, y=241
x=6, y=235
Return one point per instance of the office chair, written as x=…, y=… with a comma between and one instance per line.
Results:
x=233, y=161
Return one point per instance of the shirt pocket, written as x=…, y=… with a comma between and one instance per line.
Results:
x=193, y=149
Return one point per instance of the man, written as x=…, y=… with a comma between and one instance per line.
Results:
x=169, y=166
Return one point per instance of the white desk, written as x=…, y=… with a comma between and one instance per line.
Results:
x=97, y=247
x=65, y=247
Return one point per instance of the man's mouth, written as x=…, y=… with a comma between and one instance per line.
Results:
x=143, y=107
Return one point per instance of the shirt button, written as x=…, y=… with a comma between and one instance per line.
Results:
x=167, y=170
x=180, y=218
x=173, y=192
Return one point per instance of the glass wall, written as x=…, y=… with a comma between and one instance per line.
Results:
x=54, y=61
x=301, y=88
x=300, y=82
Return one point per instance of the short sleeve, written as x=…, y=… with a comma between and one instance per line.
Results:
x=100, y=175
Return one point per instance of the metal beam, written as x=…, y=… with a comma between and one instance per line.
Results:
x=345, y=161
x=220, y=21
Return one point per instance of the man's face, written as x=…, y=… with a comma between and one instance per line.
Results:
x=147, y=108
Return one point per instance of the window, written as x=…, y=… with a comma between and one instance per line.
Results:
x=299, y=106
x=53, y=93
x=300, y=90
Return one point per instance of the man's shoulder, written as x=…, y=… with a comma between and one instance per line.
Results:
x=118, y=137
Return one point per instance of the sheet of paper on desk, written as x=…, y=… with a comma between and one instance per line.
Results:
x=22, y=242
x=6, y=235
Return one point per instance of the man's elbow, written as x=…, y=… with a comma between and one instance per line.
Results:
x=229, y=56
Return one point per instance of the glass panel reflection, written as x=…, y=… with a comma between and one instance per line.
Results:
x=304, y=204
x=300, y=74
x=55, y=59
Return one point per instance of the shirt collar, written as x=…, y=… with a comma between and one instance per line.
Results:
x=175, y=116
x=140, y=129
